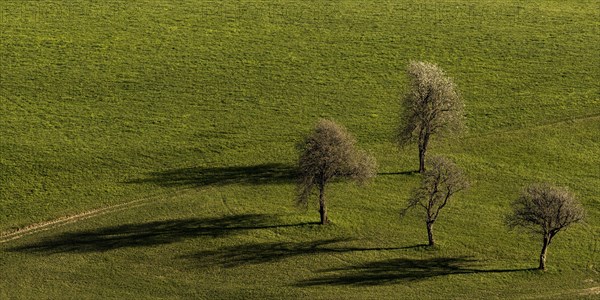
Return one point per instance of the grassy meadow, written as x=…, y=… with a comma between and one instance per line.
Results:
x=174, y=124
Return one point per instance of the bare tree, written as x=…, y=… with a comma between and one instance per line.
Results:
x=431, y=106
x=438, y=185
x=545, y=210
x=329, y=152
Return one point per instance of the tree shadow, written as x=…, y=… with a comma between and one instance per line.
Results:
x=258, y=253
x=399, y=270
x=414, y=172
x=272, y=173
x=150, y=234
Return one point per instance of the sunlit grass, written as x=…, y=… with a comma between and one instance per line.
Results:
x=195, y=107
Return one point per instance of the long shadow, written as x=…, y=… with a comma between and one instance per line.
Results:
x=150, y=234
x=258, y=253
x=399, y=270
x=272, y=173
x=398, y=173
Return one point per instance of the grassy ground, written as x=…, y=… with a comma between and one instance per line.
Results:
x=192, y=108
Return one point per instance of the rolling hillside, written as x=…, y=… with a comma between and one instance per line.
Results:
x=147, y=148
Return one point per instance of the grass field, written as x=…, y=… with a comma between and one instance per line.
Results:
x=173, y=125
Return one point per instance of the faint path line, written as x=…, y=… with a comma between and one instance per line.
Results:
x=43, y=226
x=30, y=229
x=561, y=121
x=590, y=291
x=227, y=207
x=568, y=294
x=17, y=104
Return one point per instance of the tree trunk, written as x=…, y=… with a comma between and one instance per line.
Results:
x=422, y=150
x=421, y=160
x=322, y=206
x=430, y=233
x=544, y=252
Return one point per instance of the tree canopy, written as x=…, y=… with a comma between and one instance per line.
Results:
x=330, y=151
x=545, y=210
x=438, y=185
x=431, y=106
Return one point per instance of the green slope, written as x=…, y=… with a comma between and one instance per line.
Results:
x=192, y=108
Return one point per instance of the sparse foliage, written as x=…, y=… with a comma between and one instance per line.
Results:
x=328, y=152
x=431, y=106
x=545, y=210
x=438, y=185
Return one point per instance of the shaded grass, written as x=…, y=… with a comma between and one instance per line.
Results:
x=148, y=234
x=258, y=253
x=251, y=175
x=396, y=271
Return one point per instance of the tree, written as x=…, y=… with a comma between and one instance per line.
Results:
x=545, y=210
x=431, y=106
x=330, y=152
x=438, y=185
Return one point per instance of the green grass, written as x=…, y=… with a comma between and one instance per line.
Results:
x=194, y=108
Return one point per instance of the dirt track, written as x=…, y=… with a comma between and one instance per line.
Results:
x=43, y=226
